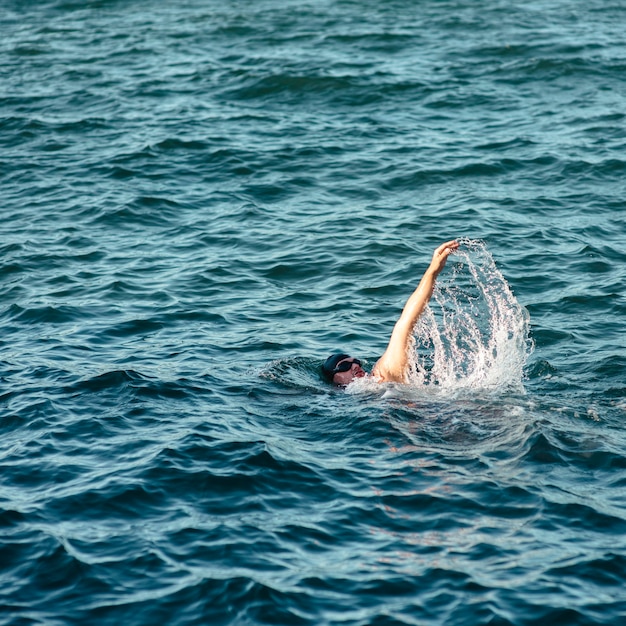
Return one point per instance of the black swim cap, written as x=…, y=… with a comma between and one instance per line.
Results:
x=331, y=363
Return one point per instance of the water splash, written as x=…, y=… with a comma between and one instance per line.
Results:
x=474, y=334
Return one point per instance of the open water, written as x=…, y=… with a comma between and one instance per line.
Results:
x=201, y=201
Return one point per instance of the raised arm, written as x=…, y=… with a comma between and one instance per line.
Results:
x=393, y=365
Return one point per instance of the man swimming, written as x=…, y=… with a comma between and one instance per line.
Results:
x=393, y=365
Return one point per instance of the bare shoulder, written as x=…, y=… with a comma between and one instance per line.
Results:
x=386, y=374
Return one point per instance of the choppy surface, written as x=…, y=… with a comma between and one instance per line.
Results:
x=200, y=201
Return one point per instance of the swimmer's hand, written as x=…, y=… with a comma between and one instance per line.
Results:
x=441, y=255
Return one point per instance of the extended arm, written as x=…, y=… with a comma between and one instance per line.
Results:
x=393, y=365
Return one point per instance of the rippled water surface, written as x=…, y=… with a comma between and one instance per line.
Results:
x=201, y=201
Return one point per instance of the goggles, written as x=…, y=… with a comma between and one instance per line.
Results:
x=344, y=366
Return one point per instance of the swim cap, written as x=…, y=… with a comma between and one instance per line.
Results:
x=331, y=363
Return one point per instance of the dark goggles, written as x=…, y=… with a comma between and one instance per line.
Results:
x=344, y=366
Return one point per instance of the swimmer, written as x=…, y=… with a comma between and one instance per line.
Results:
x=393, y=365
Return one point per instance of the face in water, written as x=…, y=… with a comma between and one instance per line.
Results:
x=343, y=369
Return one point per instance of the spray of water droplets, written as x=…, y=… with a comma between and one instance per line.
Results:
x=474, y=334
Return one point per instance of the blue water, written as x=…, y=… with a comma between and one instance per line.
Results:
x=201, y=201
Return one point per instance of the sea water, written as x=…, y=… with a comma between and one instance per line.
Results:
x=201, y=201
